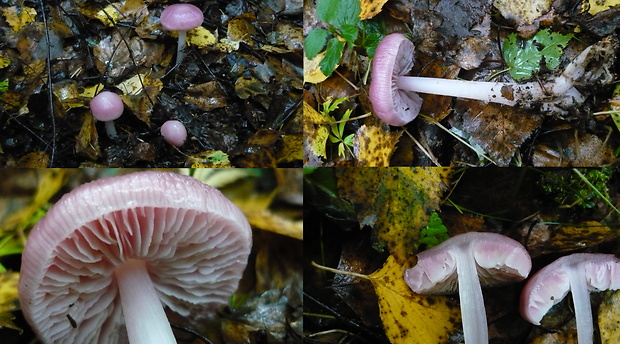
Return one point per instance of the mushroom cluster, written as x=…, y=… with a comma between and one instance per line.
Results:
x=112, y=253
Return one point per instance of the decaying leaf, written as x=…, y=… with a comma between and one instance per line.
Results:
x=410, y=318
x=596, y=6
x=315, y=133
x=371, y=8
x=522, y=12
x=395, y=202
x=8, y=299
x=374, y=146
x=19, y=17
x=609, y=318
x=209, y=159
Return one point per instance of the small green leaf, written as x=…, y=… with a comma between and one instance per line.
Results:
x=349, y=32
x=339, y=13
x=332, y=56
x=314, y=42
x=435, y=233
x=525, y=57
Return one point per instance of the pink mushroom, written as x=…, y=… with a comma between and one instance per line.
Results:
x=181, y=18
x=174, y=132
x=579, y=273
x=468, y=261
x=112, y=253
x=107, y=106
x=394, y=100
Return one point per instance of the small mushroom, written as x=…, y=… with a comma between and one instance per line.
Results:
x=394, y=100
x=112, y=253
x=469, y=261
x=174, y=132
x=579, y=273
x=107, y=106
x=181, y=18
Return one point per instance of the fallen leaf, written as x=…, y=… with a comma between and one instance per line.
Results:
x=19, y=17
x=201, y=37
x=596, y=6
x=312, y=70
x=395, y=202
x=522, y=12
x=374, y=146
x=410, y=318
x=609, y=318
x=209, y=159
x=8, y=299
x=371, y=8
x=316, y=133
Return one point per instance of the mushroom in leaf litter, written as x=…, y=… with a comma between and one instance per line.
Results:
x=107, y=106
x=174, y=132
x=466, y=262
x=181, y=18
x=394, y=99
x=110, y=254
x=579, y=273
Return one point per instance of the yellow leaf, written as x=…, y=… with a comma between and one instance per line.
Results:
x=201, y=37
x=19, y=17
x=410, y=318
x=4, y=61
x=90, y=91
x=8, y=299
x=211, y=158
x=395, y=202
x=609, y=318
x=312, y=70
x=596, y=6
x=374, y=146
x=371, y=8
x=109, y=14
x=315, y=133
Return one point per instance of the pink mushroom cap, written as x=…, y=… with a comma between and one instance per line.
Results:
x=174, y=132
x=579, y=273
x=466, y=262
x=181, y=17
x=393, y=58
x=106, y=106
x=108, y=245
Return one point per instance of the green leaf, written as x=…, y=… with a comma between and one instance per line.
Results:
x=525, y=57
x=349, y=32
x=314, y=42
x=339, y=12
x=332, y=56
x=435, y=233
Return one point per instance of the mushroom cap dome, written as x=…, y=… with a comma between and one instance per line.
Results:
x=393, y=58
x=106, y=106
x=181, y=17
x=195, y=243
x=174, y=132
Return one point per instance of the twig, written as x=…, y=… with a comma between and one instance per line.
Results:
x=50, y=94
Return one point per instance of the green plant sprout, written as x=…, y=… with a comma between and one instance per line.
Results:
x=434, y=233
x=344, y=29
x=525, y=57
x=336, y=135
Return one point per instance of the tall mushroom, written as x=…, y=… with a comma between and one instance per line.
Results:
x=111, y=253
x=394, y=99
x=181, y=18
x=468, y=261
x=579, y=273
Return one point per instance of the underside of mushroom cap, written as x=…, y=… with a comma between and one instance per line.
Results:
x=194, y=240
x=393, y=58
x=550, y=284
x=499, y=260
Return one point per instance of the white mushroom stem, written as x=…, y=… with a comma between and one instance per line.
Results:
x=181, y=47
x=498, y=92
x=145, y=319
x=473, y=314
x=581, y=303
x=110, y=129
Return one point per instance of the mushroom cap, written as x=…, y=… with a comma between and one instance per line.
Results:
x=499, y=260
x=393, y=58
x=174, y=132
x=106, y=106
x=195, y=243
x=551, y=284
x=181, y=17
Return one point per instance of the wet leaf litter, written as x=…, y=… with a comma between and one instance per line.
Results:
x=237, y=90
x=496, y=41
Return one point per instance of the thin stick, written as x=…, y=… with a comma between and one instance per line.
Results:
x=50, y=93
x=336, y=271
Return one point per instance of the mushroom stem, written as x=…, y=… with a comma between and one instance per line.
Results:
x=110, y=129
x=473, y=314
x=181, y=47
x=581, y=302
x=145, y=319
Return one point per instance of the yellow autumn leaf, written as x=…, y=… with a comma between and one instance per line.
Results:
x=209, y=159
x=609, y=318
x=90, y=91
x=8, y=299
x=4, y=61
x=371, y=8
x=315, y=132
x=410, y=318
x=201, y=37
x=373, y=146
x=109, y=15
x=19, y=16
x=396, y=202
x=312, y=70
x=596, y=6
